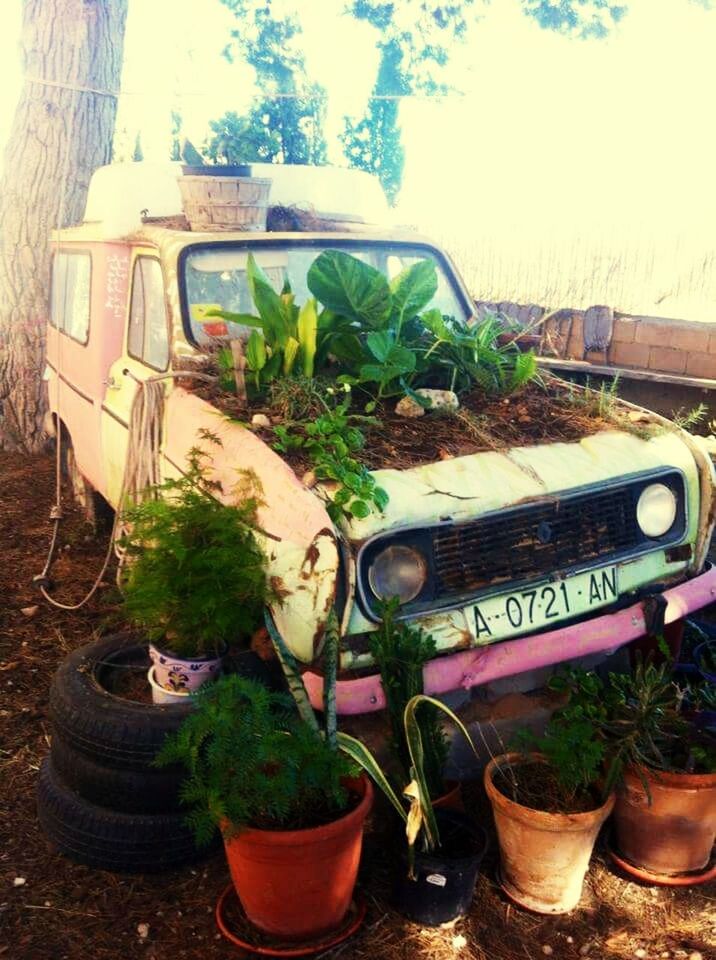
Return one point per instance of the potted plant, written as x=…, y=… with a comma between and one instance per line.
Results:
x=400, y=652
x=548, y=810
x=436, y=882
x=195, y=579
x=665, y=763
x=288, y=803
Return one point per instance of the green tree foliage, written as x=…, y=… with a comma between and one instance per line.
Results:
x=286, y=124
x=588, y=19
x=138, y=153
x=413, y=39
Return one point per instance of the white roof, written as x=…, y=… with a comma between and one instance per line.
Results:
x=120, y=194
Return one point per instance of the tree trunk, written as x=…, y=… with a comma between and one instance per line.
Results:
x=59, y=137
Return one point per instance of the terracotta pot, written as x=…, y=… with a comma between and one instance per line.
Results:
x=452, y=798
x=675, y=832
x=543, y=856
x=298, y=884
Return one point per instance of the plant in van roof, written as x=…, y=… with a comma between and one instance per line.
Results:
x=196, y=577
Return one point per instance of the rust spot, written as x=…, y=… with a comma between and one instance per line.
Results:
x=310, y=560
x=679, y=553
x=466, y=640
x=279, y=587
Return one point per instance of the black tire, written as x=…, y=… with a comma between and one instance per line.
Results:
x=127, y=791
x=101, y=838
x=104, y=727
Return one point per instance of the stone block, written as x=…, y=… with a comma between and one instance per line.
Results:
x=712, y=343
x=690, y=337
x=668, y=359
x=656, y=334
x=624, y=330
x=629, y=355
x=701, y=365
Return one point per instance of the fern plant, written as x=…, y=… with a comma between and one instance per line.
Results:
x=400, y=652
x=195, y=580
x=252, y=762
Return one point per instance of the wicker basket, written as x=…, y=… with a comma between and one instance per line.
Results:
x=225, y=203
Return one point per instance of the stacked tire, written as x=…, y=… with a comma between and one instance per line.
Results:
x=100, y=800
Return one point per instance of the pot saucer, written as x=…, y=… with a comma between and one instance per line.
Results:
x=661, y=879
x=237, y=929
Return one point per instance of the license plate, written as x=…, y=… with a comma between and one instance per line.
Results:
x=535, y=607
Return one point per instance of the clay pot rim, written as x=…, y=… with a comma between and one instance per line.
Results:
x=324, y=832
x=671, y=778
x=553, y=822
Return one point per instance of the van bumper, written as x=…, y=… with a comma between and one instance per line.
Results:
x=468, y=668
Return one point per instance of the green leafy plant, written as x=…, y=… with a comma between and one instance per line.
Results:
x=253, y=762
x=419, y=818
x=331, y=442
x=400, y=652
x=195, y=579
x=285, y=335
x=639, y=716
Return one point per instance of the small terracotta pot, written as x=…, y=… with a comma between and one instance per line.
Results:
x=543, y=856
x=675, y=832
x=181, y=675
x=298, y=884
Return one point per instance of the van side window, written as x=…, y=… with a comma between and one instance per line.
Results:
x=147, y=338
x=70, y=297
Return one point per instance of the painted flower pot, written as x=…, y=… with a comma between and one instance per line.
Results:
x=543, y=856
x=666, y=822
x=161, y=696
x=298, y=884
x=180, y=675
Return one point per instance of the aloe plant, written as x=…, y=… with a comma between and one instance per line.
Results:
x=419, y=817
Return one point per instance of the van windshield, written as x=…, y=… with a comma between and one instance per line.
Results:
x=214, y=276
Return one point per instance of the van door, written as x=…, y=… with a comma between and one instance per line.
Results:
x=145, y=354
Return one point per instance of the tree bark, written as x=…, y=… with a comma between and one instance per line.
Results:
x=59, y=137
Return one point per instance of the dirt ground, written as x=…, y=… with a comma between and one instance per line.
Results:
x=52, y=909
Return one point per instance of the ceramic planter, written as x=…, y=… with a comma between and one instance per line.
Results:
x=670, y=829
x=298, y=884
x=160, y=695
x=180, y=675
x=543, y=856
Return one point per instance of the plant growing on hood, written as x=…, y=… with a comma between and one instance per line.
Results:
x=284, y=335
x=331, y=442
x=196, y=577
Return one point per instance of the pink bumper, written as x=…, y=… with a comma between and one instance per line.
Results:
x=471, y=667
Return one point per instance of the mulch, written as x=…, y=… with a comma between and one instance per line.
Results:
x=64, y=911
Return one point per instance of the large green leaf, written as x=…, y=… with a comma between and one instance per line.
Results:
x=271, y=308
x=293, y=674
x=412, y=290
x=349, y=287
x=364, y=758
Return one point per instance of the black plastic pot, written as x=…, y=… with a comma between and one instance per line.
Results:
x=217, y=170
x=445, y=879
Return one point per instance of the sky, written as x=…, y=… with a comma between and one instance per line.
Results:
x=566, y=170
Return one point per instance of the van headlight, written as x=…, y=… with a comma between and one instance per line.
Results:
x=398, y=571
x=656, y=510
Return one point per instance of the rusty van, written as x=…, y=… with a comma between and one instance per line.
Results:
x=573, y=546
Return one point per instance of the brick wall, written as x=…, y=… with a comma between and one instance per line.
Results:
x=648, y=343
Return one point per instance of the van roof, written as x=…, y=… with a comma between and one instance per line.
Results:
x=122, y=196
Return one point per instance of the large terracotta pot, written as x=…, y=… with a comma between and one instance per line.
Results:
x=671, y=829
x=298, y=884
x=543, y=856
